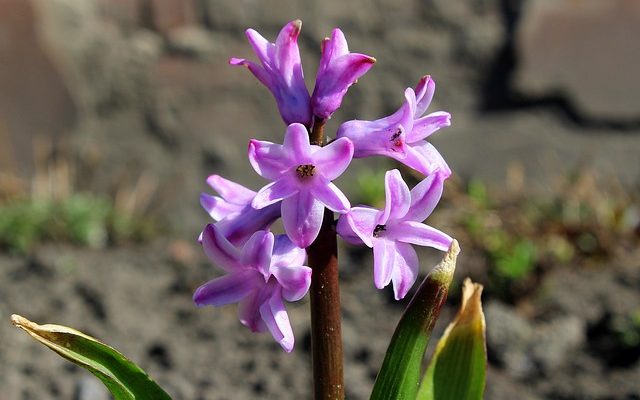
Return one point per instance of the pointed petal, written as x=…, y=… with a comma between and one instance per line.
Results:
x=256, y=253
x=218, y=208
x=424, y=94
x=275, y=317
x=219, y=250
x=424, y=158
x=345, y=231
x=420, y=234
x=226, y=290
x=425, y=126
x=284, y=187
x=287, y=55
x=359, y=221
x=398, y=197
x=257, y=71
x=296, y=144
x=249, y=309
x=302, y=216
x=405, y=270
x=384, y=254
x=333, y=159
x=241, y=226
x=295, y=280
x=329, y=195
x=333, y=82
x=230, y=191
x=285, y=252
x=424, y=197
x=260, y=46
x=268, y=159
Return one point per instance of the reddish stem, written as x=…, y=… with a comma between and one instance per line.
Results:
x=326, y=333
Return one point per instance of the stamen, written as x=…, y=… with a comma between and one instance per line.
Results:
x=378, y=229
x=306, y=170
x=395, y=138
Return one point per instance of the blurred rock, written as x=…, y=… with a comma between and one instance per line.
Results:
x=193, y=41
x=586, y=50
x=90, y=388
x=34, y=99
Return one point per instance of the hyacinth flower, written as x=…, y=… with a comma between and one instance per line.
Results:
x=237, y=220
x=402, y=135
x=392, y=231
x=338, y=70
x=260, y=276
x=301, y=175
x=281, y=71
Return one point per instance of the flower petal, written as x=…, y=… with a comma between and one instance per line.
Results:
x=268, y=159
x=296, y=144
x=425, y=126
x=281, y=72
x=285, y=252
x=384, y=255
x=405, y=270
x=424, y=94
x=275, y=317
x=424, y=158
x=295, y=280
x=398, y=197
x=249, y=309
x=226, y=290
x=256, y=253
x=241, y=226
x=359, y=221
x=219, y=250
x=302, y=217
x=333, y=159
x=424, y=197
x=328, y=194
x=275, y=191
x=230, y=191
x=420, y=234
x=333, y=81
x=218, y=208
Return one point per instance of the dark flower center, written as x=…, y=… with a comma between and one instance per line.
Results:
x=378, y=229
x=396, y=139
x=306, y=170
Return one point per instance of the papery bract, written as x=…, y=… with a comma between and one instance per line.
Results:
x=401, y=135
x=260, y=276
x=392, y=231
x=237, y=219
x=301, y=175
x=281, y=71
x=338, y=70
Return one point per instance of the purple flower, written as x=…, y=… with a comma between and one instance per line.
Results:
x=338, y=70
x=259, y=276
x=393, y=230
x=237, y=219
x=281, y=71
x=301, y=175
x=401, y=135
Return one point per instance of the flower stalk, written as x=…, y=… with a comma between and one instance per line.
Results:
x=326, y=331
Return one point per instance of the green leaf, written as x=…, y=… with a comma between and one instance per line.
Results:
x=124, y=379
x=399, y=376
x=458, y=367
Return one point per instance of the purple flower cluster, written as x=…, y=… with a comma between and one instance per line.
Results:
x=263, y=269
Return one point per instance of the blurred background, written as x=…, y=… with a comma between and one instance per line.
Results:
x=114, y=112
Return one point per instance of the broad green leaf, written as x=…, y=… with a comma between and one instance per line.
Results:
x=124, y=379
x=457, y=369
x=399, y=376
